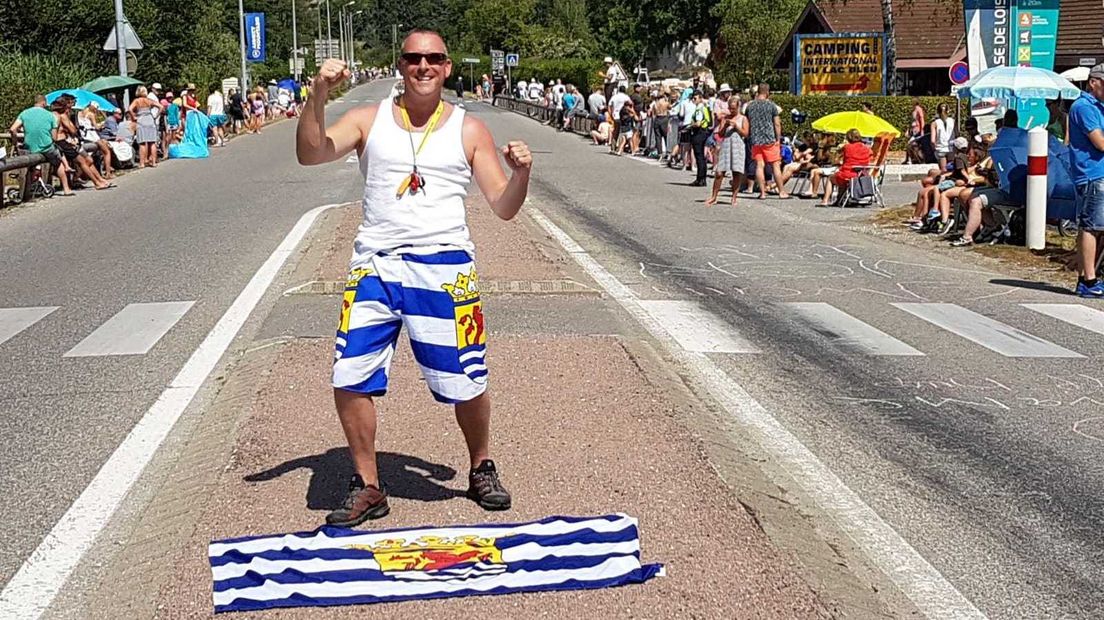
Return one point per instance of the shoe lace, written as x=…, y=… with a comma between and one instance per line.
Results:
x=487, y=482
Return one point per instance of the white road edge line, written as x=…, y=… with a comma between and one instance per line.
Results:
x=31, y=590
x=929, y=590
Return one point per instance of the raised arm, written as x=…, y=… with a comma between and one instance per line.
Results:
x=314, y=142
x=504, y=195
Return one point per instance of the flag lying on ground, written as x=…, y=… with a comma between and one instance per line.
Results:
x=334, y=566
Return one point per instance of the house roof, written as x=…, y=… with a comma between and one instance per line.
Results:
x=931, y=32
x=1080, y=28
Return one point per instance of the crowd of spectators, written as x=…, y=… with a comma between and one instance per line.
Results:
x=701, y=129
x=87, y=146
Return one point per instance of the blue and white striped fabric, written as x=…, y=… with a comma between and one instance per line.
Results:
x=334, y=566
x=436, y=296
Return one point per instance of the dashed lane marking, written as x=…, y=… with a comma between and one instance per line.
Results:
x=15, y=320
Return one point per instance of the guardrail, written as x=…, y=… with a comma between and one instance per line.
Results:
x=581, y=122
x=25, y=163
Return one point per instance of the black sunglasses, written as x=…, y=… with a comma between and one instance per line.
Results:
x=433, y=58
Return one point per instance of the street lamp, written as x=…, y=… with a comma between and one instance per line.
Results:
x=352, y=48
x=394, y=43
x=341, y=29
x=294, y=44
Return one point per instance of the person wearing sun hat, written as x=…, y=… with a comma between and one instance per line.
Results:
x=1086, y=140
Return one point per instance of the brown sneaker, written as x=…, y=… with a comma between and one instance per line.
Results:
x=485, y=489
x=362, y=503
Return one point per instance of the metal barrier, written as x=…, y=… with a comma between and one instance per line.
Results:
x=25, y=163
x=582, y=122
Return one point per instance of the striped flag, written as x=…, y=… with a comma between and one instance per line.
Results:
x=335, y=566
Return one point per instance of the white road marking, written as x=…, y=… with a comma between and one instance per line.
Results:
x=1074, y=314
x=695, y=328
x=133, y=330
x=991, y=334
x=29, y=592
x=849, y=332
x=15, y=320
x=915, y=576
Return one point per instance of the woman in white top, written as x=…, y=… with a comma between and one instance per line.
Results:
x=88, y=120
x=942, y=134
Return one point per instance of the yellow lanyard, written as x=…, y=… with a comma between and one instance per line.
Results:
x=414, y=181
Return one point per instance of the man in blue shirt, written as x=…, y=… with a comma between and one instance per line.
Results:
x=1086, y=138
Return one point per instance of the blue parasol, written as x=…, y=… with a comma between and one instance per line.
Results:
x=1019, y=83
x=1009, y=153
x=84, y=97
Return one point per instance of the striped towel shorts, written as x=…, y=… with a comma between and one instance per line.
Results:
x=436, y=296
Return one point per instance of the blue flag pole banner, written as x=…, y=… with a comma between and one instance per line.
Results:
x=336, y=566
x=255, y=37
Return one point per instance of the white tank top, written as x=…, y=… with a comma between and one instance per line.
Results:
x=425, y=221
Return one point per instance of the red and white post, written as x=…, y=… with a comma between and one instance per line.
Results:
x=1036, y=206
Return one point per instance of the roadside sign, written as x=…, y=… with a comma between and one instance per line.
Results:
x=959, y=73
x=130, y=38
x=471, y=61
x=498, y=61
x=512, y=60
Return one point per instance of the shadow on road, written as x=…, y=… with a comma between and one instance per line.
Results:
x=404, y=476
x=1035, y=286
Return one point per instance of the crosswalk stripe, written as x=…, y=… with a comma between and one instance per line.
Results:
x=695, y=328
x=15, y=320
x=133, y=331
x=849, y=332
x=1074, y=314
x=991, y=334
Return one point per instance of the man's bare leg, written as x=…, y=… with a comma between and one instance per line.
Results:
x=358, y=419
x=761, y=176
x=368, y=501
x=776, y=168
x=1086, y=247
x=474, y=418
x=484, y=487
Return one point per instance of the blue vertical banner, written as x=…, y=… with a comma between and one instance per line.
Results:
x=255, y=37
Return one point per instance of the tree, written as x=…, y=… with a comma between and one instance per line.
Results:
x=750, y=33
x=890, y=46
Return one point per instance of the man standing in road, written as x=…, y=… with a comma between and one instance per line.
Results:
x=1086, y=139
x=412, y=258
x=766, y=139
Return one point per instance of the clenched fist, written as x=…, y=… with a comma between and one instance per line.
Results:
x=330, y=74
x=517, y=155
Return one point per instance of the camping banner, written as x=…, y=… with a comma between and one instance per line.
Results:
x=848, y=63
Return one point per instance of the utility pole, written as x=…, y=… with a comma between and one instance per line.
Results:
x=329, y=29
x=244, y=86
x=120, y=39
x=294, y=44
x=341, y=32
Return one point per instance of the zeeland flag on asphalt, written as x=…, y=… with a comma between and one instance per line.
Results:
x=335, y=566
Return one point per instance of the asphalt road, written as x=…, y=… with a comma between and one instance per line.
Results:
x=187, y=231
x=979, y=452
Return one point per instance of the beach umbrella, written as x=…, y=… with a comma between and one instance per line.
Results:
x=1019, y=82
x=1076, y=74
x=287, y=84
x=869, y=125
x=1009, y=153
x=109, y=83
x=84, y=97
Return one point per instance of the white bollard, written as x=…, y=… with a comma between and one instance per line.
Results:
x=1036, y=206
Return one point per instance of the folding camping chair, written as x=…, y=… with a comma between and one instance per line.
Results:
x=866, y=188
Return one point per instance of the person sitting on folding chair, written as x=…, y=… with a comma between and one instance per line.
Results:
x=855, y=154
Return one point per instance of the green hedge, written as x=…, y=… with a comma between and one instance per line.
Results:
x=22, y=76
x=896, y=110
